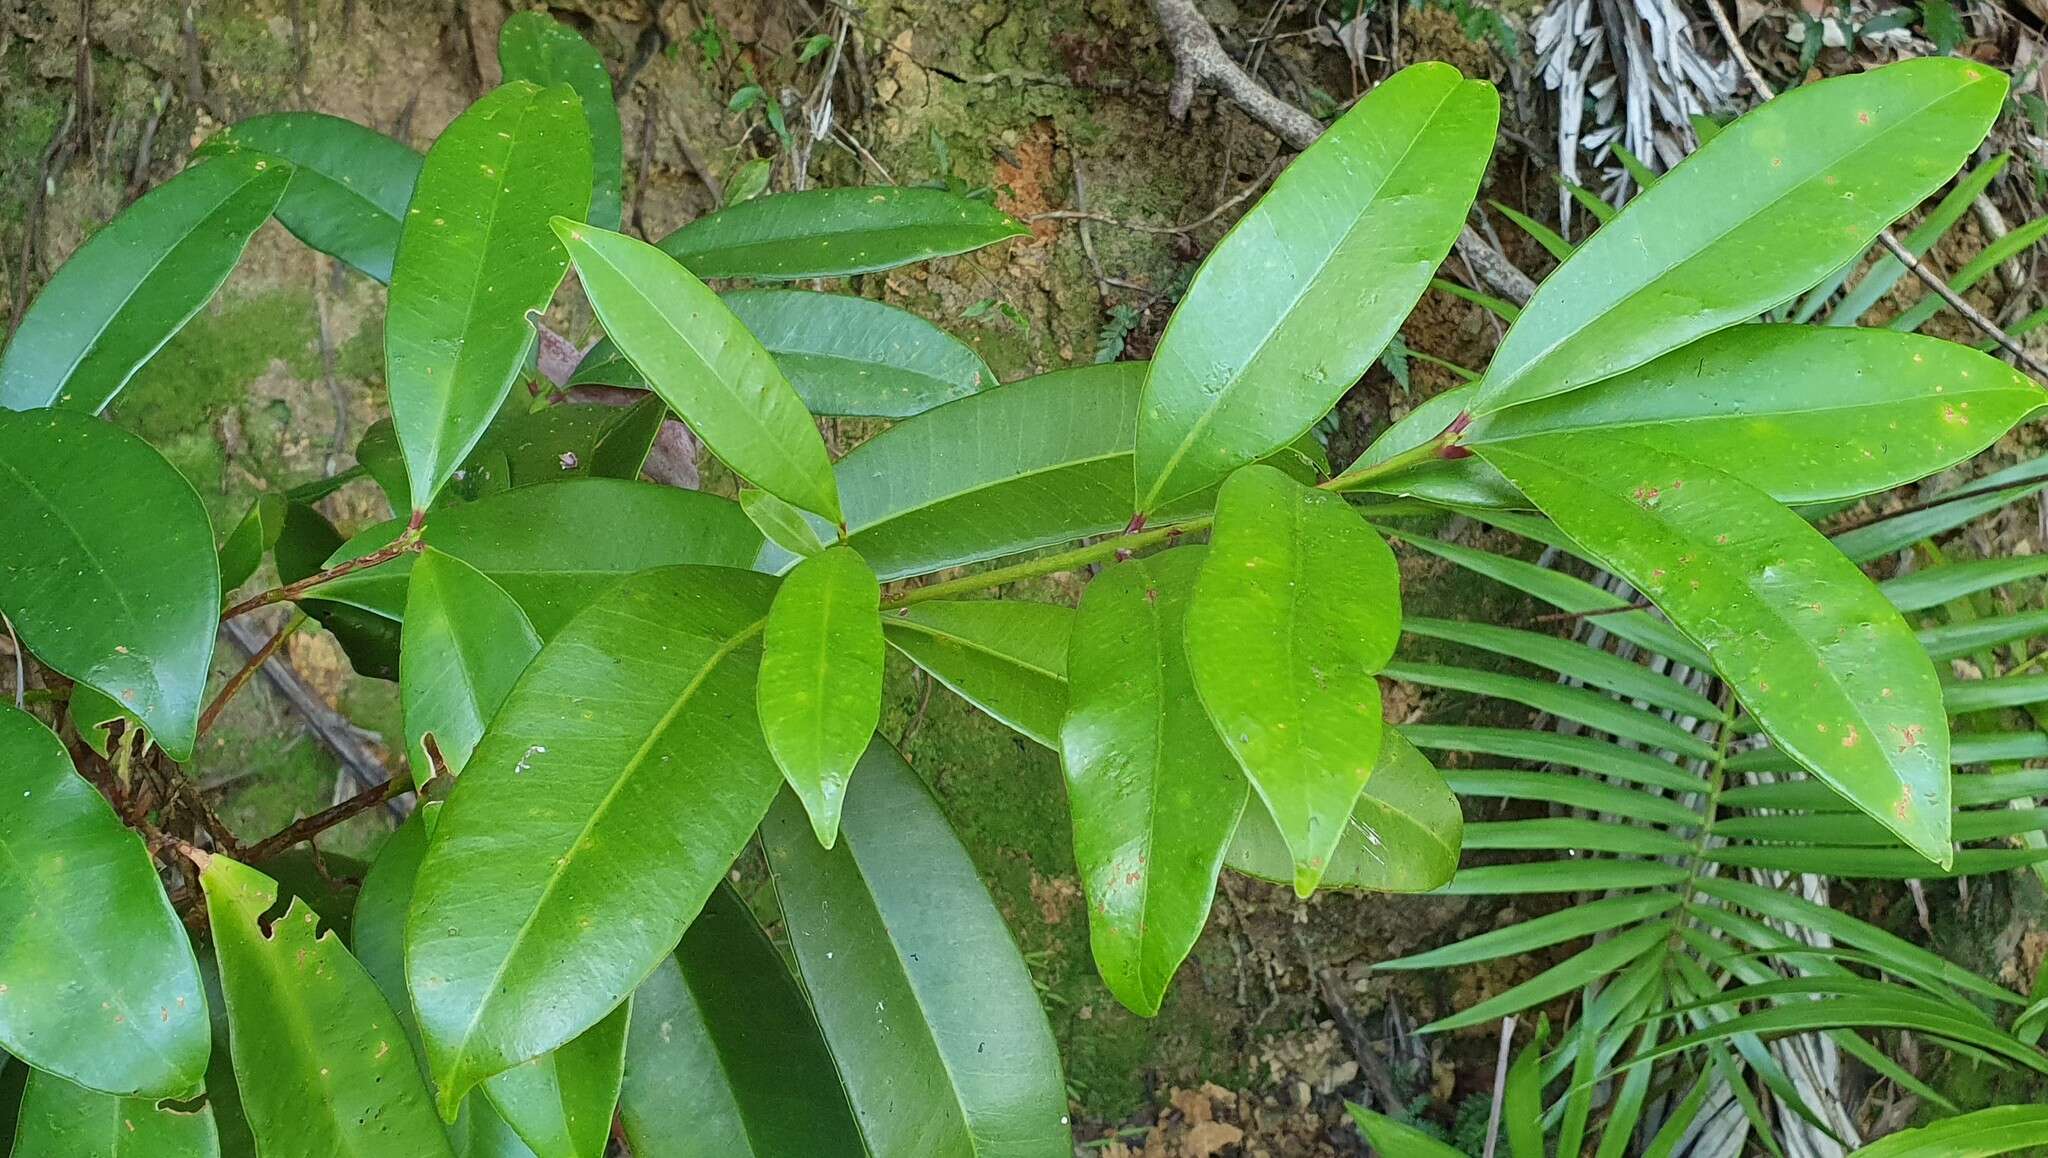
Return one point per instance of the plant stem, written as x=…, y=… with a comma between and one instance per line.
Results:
x=312, y=826
x=1132, y=541
x=235, y=682
x=405, y=543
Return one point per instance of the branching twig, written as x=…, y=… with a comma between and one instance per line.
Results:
x=235, y=682
x=405, y=543
x=333, y=730
x=309, y=827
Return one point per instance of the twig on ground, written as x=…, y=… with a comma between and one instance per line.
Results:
x=696, y=163
x=208, y=717
x=349, y=743
x=1222, y=207
x=1355, y=1038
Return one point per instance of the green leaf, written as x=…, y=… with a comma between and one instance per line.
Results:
x=836, y=233
x=1600, y=712
x=1769, y=206
x=1582, y=968
x=475, y=258
x=466, y=642
x=91, y=713
x=535, y=47
x=1973, y=271
x=699, y=357
x=561, y=1103
x=1827, y=667
x=1302, y=294
x=1979, y=1134
x=820, y=692
x=844, y=355
x=321, y=1061
x=1402, y=837
x=725, y=1059
x=1562, y=876
x=349, y=187
x=783, y=525
x=1297, y=608
x=750, y=180
x=1153, y=792
x=555, y=548
x=61, y=1120
x=101, y=985
x=1920, y=1015
x=244, y=548
x=112, y=578
x=1887, y=270
x=1805, y=414
x=1566, y=657
x=1391, y=1137
x=555, y=444
x=1542, y=932
x=370, y=639
x=1522, y=1101
x=136, y=282
x=1006, y=657
x=662, y=787
x=927, y=1007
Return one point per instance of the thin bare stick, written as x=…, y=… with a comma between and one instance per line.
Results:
x=1222, y=207
x=306, y=828
x=20, y=665
x=1885, y=237
x=1500, y=1078
x=406, y=543
x=256, y=661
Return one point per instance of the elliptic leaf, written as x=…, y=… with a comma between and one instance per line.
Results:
x=97, y=979
x=1979, y=1134
x=557, y=443
x=821, y=679
x=1006, y=657
x=1297, y=607
x=370, y=639
x=699, y=357
x=928, y=1009
x=1301, y=295
x=1804, y=414
x=629, y=752
x=111, y=577
x=244, y=548
x=1771, y=205
x=1153, y=792
x=561, y=1103
x=555, y=548
x=475, y=258
x=136, y=282
x=322, y=1063
x=836, y=233
x=350, y=183
x=61, y=1120
x=1827, y=667
x=466, y=642
x=844, y=355
x=1403, y=835
x=535, y=47
x=783, y=525
x=725, y=1059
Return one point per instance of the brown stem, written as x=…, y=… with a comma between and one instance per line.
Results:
x=405, y=543
x=235, y=682
x=309, y=827
x=1574, y=616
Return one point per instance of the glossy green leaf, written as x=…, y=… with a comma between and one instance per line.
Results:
x=1920, y=1015
x=698, y=356
x=466, y=642
x=821, y=679
x=1934, y=586
x=1038, y=462
x=783, y=525
x=836, y=233
x=1805, y=414
x=244, y=548
x=61, y=1120
x=1522, y=1100
x=92, y=712
x=101, y=985
x=557, y=443
x=555, y=548
x=1297, y=607
x=927, y=1007
x=535, y=47
x=350, y=183
x=1886, y=271
x=1828, y=669
x=1770, y=206
x=321, y=1061
x=1006, y=657
x=844, y=355
x=629, y=750
x=1562, y=876
x=1979, y=1134
x=1398, y=1138
x=369, y=639
x=136, y=282
x=1403, y=835
x=1153, y=792
x=475, y=258
x=561, y=1103
x=1301, y=295
x=725, y=1059
x=112, y=577
x=1582, y=968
